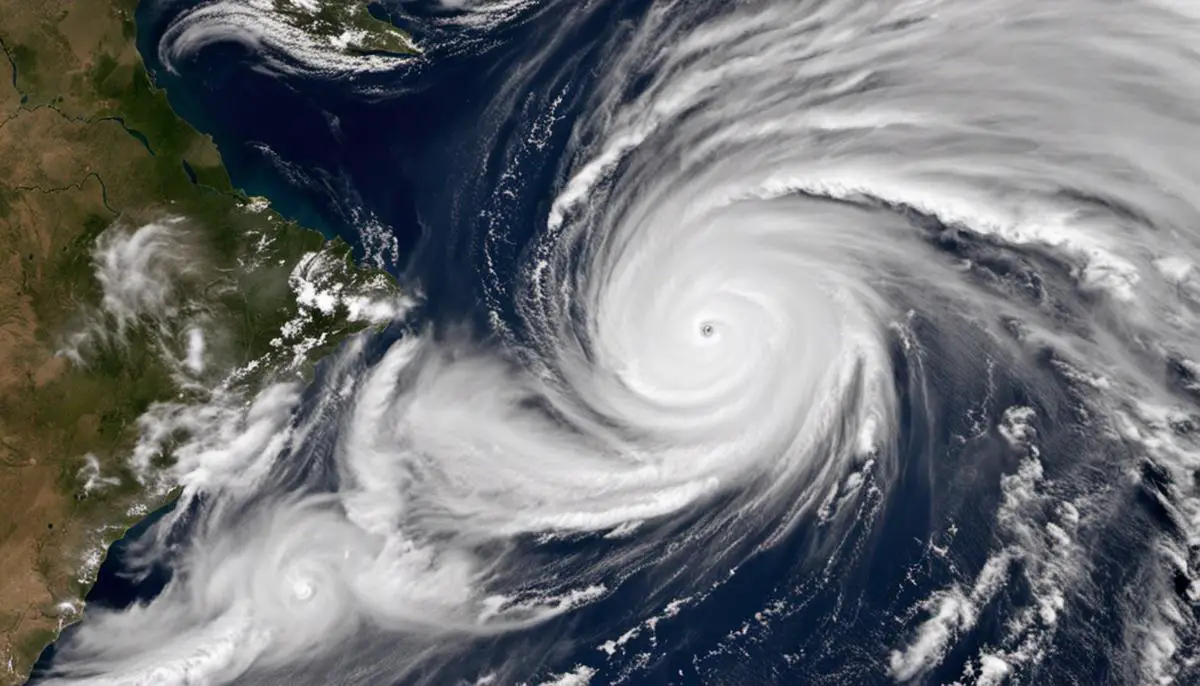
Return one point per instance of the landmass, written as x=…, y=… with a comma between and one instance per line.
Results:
x=347, y=25
x=132, y=274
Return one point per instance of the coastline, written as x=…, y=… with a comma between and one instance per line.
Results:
x=170, y=178
x=248, y=178
x=110, y=586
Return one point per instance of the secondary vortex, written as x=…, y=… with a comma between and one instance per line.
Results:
x=843, y=341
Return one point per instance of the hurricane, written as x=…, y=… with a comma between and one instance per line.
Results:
x=816, y=342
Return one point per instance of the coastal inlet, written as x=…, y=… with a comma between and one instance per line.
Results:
x=768, y=342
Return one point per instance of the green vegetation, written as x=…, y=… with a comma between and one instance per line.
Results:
x=348, y=23
x=89, y=144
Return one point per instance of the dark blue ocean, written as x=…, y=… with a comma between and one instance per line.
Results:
x=423, y=152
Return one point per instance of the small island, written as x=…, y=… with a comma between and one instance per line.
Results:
x=347, y=25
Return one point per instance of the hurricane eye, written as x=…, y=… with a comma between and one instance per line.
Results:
x=707, y=330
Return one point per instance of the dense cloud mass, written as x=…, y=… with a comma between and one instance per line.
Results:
x=806, y=265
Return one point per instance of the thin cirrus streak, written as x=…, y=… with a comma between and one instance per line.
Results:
x=778, y=228
x=284, y=45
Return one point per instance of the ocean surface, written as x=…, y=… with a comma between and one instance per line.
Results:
x=763, y=342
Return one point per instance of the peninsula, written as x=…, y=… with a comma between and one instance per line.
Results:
x=347, y=25
x=132, y=275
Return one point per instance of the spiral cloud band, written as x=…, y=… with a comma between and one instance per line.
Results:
x=778, y=229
